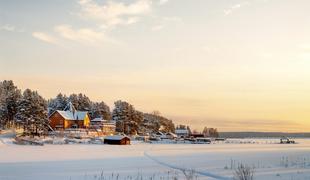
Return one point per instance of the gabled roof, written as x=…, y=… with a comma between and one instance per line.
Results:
x=171, y=134
x=69, y=115
x=160, y=133
x=181, y=131
x=99, y=120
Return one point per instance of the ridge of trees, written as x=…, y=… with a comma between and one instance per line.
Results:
x=28, y=109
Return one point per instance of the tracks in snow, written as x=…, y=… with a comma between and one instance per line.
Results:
x=203, y=173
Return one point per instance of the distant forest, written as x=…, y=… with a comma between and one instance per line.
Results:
x=30, y=111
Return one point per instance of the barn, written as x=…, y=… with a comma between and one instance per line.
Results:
x=117, y=140
x=69, y=118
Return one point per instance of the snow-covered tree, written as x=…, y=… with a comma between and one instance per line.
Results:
x=74, y=99
x=32, y=112
x=80, y=101
x=9, y=96
x=59, y=103
x=154, y=122
x=210, y=132
x=40, y=111
x=128, y=120
x=84, y=103
x=101, y=110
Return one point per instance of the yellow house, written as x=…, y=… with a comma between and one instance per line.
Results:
x=70, y=118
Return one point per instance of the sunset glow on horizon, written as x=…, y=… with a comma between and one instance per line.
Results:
x=234, y=65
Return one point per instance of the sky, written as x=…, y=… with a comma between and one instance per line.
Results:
x=231, y=64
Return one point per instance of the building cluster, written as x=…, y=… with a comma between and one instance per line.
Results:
x=70, y=119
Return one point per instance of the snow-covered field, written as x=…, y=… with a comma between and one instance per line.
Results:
x=154, y=161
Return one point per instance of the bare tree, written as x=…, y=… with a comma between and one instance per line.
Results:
x=189, y=174
x=244, y=172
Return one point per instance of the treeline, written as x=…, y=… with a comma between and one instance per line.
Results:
x=131, y=121
x=207, y=132
x=27, y=109
x=30, y=111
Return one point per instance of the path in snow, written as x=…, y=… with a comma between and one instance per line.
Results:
x=203, y=173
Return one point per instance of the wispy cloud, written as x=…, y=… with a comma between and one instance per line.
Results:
x=7, y=27
x=80, y=35
x=106, y=16
x=112, y=13
x=162, y=2
x=10, y=28
x=44, y=37
x=235, y=7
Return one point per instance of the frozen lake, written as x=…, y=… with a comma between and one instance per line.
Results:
x=210, y=161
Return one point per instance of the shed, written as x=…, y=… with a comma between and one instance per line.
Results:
x=117, y=140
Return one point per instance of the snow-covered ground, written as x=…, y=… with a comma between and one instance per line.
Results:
x=154, y=161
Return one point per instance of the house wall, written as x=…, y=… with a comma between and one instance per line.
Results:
x=56, y=120
x=70, y=123
x=124, y=141
x=86, y=122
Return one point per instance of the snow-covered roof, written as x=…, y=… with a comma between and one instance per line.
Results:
x=69, y=115
x=99, y=120
x=171, y=134
x=181, y=131
x=117, y=137
x=160, y=133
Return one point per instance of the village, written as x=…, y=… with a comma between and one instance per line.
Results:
x=77, y=119
x=78, y=124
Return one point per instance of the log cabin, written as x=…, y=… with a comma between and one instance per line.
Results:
x=117, y=140
x=69, y=118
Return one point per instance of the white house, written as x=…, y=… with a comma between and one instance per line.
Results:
x=107, y=127
x=182, y=132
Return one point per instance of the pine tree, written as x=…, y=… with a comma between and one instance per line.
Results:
x=59, y=103
x=101, y=110
x=84, y=103
x=40, y=113
x=9, y=96
x=24, y=113
x=80, y=101
x=73, y=98
x=32, y=112
x=128, y=120
x=154, y=121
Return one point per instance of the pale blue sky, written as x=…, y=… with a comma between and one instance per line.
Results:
x=221, y=63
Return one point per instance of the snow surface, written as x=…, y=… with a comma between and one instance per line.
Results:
x=210, y=161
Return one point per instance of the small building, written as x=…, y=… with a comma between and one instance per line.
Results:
x=197, y=135
x=285, y=140
x=105, y=126
x=117, y=140
x=182, y=133
x=171, y=135
x=69, y=118
x=202, y=141
x=160, y=135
